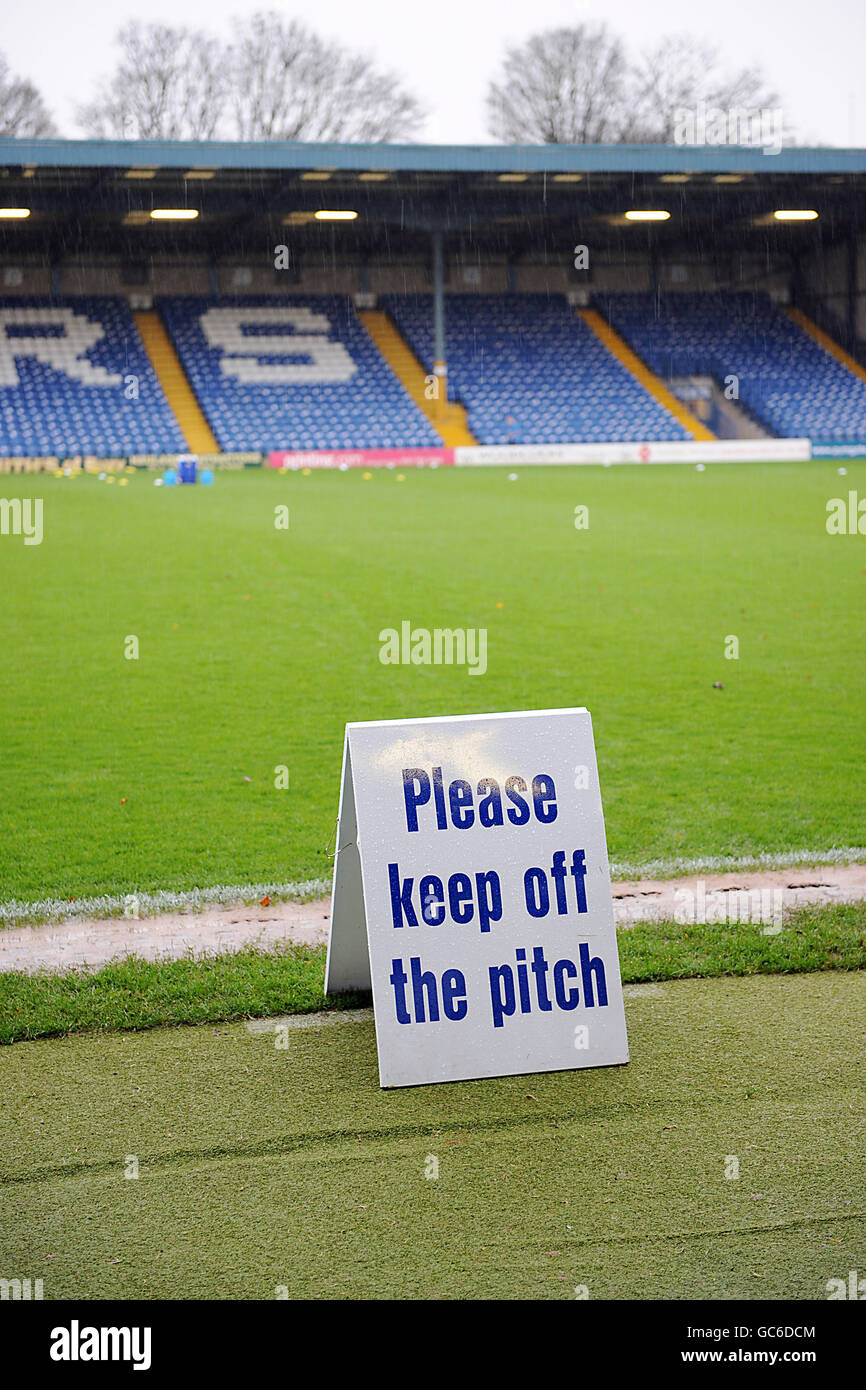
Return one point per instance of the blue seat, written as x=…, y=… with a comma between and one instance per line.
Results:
x=75, y=379
x=790, y=384
x=528, y=370
x=291, y=372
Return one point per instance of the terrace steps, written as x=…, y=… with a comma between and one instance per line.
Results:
x=638, y=369
x=172, y=379
x=826, y=342
x=449, y=418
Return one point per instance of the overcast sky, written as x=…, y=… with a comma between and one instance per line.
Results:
x=447, y=50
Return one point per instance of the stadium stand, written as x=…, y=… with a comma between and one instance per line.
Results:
x=75, y=379
x=530, y=371
x=291, y=373
x=785, y=379
x=303, y=372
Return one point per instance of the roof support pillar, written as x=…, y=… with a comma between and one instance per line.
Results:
x=853, y=291
x=440, y=365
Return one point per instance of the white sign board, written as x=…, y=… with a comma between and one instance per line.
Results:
x=472, y=892
x=674, y=451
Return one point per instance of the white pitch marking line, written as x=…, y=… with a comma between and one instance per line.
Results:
x=43, y=910
x=138, y=905
x=319, y=1020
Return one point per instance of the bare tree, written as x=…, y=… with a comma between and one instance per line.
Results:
x=276, y=81
x=170, y=84
x=289, y=84
x=563, y=86
x=579, y=86
x=680, y=72
x=23, y=113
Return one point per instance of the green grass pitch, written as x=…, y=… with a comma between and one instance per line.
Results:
x=257, y=644
x=268, y=1172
